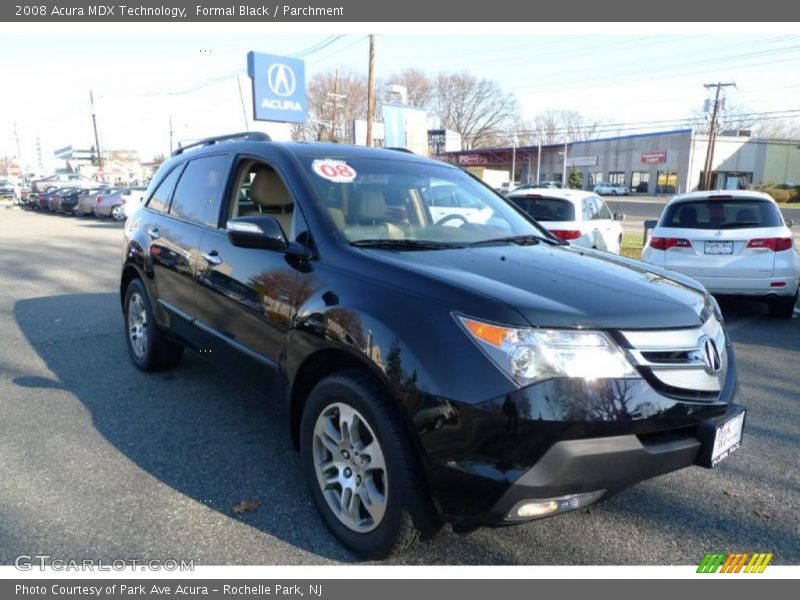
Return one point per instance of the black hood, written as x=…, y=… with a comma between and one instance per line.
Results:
x=562, y=286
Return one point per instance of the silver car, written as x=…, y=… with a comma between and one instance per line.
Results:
x=113, y=204
x=87, y=200
x=611, y=189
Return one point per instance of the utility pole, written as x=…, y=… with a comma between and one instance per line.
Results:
x=564, y=170
x=371, y=89
x=712, y=133
x=96, y=137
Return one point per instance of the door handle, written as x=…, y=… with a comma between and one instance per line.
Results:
x=212, y=258
x=153, y=234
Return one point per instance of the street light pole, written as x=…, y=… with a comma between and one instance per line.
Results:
x=96, y=137
x=539, y=161
x=564, y=170
x=371, y=89
x=513, y=157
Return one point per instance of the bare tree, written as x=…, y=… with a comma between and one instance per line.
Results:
x=476, y=108
x=780, y=129
x=420, y=87
x=557, y=125
x=335, y=100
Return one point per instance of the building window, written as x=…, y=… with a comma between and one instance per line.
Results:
x=727, y=180
x=666, y=182
x=616, y=177
x=640, y=182
x=595, y=177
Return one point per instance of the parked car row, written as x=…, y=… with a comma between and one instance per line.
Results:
x=100, y=202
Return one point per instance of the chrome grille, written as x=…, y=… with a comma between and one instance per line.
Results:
x=679, y=360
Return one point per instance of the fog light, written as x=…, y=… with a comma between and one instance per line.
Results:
x=536, y=509
x=531, y=510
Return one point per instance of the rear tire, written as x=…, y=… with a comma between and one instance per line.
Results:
x=118, y=212
x=149, y=348
x=782, y=308
x=374, y=470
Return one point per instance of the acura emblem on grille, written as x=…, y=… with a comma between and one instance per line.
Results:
x=709, y=355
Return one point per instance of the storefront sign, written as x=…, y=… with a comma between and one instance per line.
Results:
x=654, y=157
x=279, y=88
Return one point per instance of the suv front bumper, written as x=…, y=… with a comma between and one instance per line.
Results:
x=597, y=468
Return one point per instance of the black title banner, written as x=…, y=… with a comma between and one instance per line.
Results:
x=406, y=11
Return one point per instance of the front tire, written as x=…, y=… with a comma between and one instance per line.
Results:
x=783, y=308
x=358, y=460
x=149, y=348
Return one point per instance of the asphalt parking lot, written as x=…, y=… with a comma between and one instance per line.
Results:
x=102, y=461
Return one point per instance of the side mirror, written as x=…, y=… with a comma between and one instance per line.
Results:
x=619, y=216
x=262, y=231
x=789, y=223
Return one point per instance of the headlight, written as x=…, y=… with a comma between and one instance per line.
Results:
x=529, y=355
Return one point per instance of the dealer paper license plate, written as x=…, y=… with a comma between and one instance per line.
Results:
x=719, y=247
x=727, y=439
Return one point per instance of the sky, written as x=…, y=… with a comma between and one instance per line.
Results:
x=142, y=77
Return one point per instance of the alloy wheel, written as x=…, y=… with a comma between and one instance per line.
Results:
x=350, y=467
x=137, y=325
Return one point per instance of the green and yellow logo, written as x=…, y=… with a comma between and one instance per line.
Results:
x=735, y=562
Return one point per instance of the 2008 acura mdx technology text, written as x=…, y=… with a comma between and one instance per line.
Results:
x=471, y=369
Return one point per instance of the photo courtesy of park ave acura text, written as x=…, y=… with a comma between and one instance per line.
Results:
x=279, y=289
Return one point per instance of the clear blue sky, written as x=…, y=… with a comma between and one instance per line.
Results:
x=140, y=79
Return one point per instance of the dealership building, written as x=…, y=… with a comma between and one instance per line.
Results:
x=664, y=162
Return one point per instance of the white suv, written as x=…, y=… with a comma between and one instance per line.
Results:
x=735, y=243
x=580, y=218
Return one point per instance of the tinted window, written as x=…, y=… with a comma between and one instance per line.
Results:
x=159, y=201
x=721, y=214
x=199, y=193
x=546, y=209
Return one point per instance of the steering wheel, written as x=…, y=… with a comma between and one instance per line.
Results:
x=450, y=217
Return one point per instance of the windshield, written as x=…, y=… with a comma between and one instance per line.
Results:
x=722, y=214
x=545, y=209
x=395, y=199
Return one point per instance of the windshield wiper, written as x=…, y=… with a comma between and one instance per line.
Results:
x=520, y=240
x=405, y=244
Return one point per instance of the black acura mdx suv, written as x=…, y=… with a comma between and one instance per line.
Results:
x=442, y=356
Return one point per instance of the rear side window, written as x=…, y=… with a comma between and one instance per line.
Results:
x=546, y=209
x=159, y=201
x=721, y=214
x=199, y=193
x=601, y=210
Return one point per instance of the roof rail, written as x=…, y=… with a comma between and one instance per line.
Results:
x=246, y=136
x=399, y=149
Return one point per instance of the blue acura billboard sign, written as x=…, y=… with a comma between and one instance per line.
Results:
x=279, y=87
